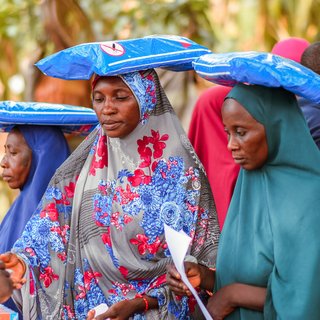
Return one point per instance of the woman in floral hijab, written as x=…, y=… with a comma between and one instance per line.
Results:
x=98, y=235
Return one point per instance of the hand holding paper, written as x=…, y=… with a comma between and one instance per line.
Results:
x=178, y=243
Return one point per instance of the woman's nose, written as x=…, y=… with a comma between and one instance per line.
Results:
x=232, y=143
x=108, y=107
x=3, y=162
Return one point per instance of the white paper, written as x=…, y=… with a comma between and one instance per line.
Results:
x=178, y=243
x=101, y=308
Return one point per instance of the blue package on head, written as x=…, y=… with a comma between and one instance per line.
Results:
x=259, y=68
x=122, y=56
x=71, y=119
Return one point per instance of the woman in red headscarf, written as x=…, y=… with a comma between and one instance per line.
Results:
x=290, y=48
x=207, y=135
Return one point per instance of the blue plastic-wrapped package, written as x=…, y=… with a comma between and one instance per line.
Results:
x=259, y=68
x=71, y=119
x=122, y=56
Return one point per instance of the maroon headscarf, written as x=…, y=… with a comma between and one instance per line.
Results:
x=207, y=135
x=95, y=79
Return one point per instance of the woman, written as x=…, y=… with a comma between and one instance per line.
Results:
x=98, y=236
x=311, y=111
x=268, y=261
x=300, y=50
x=290, y=48
x=32, y=154
x=207, y=135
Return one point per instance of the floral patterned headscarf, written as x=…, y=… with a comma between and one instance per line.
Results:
x=143, y=88
x=98, y=235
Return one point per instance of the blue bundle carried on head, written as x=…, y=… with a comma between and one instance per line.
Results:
x=122, y=56
x=71, y=119
x=259, y=68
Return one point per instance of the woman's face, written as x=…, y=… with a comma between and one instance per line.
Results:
x=116, y=107
x=16, y=162
x=246, y=137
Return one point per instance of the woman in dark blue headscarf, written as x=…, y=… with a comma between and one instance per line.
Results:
x=48, y=149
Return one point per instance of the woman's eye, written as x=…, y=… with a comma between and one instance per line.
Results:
x=241, y=133
x=122, y=97
x=97, y=100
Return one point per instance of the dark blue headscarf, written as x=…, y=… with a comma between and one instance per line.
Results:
x=311, y=112
x=49, y=149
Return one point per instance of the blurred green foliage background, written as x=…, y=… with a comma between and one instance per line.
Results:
x=32, y=29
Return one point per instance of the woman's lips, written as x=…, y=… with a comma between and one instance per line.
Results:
x=111, y=125
x=6, y=178
x=239, y=160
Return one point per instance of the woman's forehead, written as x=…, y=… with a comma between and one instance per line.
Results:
x=235, y=113
x=15, y=133
x=112, y=81
x=231, y=107
x=16, y=138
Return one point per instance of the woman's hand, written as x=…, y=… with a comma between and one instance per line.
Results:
x=198, y=275
x=6, y=284
x=17, y=266
x=236, y=295
x=194, y=273
x=91, y=316
x=220, y=304
x=125, y=309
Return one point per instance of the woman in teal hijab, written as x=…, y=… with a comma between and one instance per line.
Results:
x=268, y=264
x=271, y=238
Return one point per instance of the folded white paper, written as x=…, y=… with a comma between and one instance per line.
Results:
x=178, y=243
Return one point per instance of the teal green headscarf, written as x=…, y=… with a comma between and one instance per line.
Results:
x=271, y=237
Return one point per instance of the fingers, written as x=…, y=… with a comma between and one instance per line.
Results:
x=174, y=281
x=5, y=257
x=5, y=280
x=102, y=317
x=90, y=315
x=9, y=259
x=2, y=265
x=177, y=286
x=5, y=273
x=172, y=272
x=6, y=286
x=18, y=283
x=191, y=268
